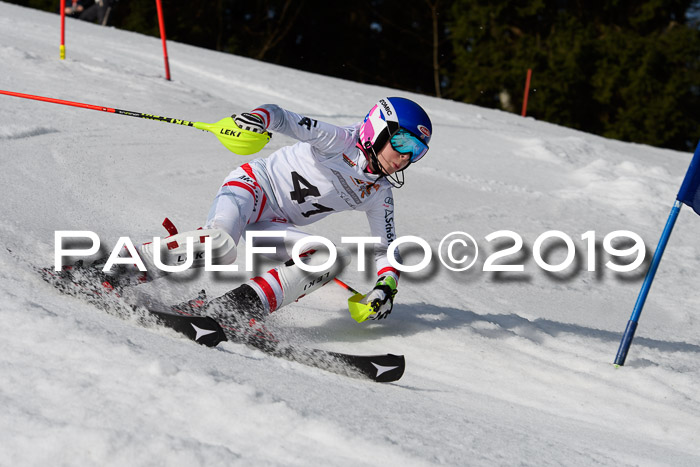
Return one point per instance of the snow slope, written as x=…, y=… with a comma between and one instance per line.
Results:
x=502, y=368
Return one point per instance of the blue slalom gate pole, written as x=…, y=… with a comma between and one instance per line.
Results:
x=648, y=279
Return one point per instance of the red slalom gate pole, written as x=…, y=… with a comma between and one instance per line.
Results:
x=527, y=90
x=161, y=23
x=62, y=47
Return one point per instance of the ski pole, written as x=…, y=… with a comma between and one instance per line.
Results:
x=346, y=286
x=235, y=139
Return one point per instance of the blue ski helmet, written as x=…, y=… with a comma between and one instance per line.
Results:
x=390, y=115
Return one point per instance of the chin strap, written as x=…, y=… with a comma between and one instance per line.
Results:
x=396, y=179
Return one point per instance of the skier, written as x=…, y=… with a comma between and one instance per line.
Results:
x=331, y=169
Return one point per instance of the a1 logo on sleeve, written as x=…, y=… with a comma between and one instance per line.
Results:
x=308, y=123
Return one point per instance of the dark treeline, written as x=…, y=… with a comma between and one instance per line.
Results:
x=625, y=69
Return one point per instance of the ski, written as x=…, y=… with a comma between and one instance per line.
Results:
x=384, y=368
x=201, y=329
x=206, y=330
x=85, y=284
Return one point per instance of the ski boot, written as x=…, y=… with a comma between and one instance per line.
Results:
x=241, y=313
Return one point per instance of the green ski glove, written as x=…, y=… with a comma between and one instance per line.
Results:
x=375, y=305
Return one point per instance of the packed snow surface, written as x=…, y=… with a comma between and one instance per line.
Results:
x=503, y=368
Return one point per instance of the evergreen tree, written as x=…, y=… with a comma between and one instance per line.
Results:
x=623, y=69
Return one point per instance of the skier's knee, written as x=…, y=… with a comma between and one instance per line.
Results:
x=173, y=250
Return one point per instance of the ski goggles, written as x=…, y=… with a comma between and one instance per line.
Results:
x=405, y=142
